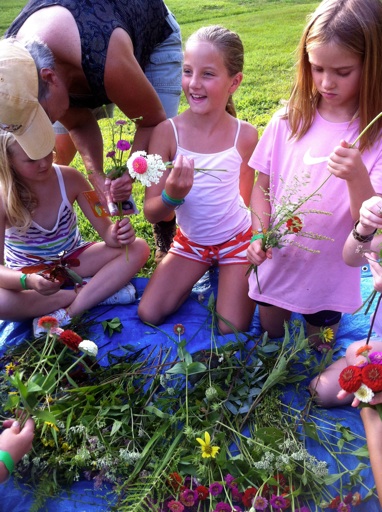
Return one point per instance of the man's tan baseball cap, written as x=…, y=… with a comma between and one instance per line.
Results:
x=20, y=110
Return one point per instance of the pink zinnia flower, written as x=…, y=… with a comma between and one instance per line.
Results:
x=110, y=154
x=175, y=506
x=140, y=165
x=188, y=497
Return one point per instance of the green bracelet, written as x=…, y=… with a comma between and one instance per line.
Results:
x=257, y=236
x=23, y=281
x=7, y=460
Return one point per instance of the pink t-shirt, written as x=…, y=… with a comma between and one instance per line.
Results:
x=296, y=279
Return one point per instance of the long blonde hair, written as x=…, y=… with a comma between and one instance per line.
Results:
x=231, y=48
x=19, y=201
x=355, y=25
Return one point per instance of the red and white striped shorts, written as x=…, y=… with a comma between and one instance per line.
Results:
x=234, y=251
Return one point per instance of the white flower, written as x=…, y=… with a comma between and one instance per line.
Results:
x=89, y=347
x=145, y=168
x=364, y=394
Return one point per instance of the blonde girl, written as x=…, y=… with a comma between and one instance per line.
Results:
x=37, y=218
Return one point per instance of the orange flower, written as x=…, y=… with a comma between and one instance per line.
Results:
x=363, y=351
x=48, y=322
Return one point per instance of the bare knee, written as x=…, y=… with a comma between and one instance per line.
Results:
x=148, y=314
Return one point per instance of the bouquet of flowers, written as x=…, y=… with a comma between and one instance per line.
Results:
x=365, y=378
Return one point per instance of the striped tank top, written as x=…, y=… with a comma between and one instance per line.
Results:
x=38, y=241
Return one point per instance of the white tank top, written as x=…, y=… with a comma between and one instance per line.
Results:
x=213, y=211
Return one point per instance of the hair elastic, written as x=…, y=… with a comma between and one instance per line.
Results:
x=257, y=236
x=7, y=460
x=23, y=281
x=169, y=201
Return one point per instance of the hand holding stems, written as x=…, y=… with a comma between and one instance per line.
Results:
x=123, y=232
x=181, y=178
x=373, y=429
x=16, y=441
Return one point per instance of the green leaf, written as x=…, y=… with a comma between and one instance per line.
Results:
x=157, y=412
x=116, y=426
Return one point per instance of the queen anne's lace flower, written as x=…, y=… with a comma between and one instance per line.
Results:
x=153, y=172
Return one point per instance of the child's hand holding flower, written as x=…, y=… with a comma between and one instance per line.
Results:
x=123, y=232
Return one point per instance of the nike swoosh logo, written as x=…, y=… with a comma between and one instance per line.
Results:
x=312, y=160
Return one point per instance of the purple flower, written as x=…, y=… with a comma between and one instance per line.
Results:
x=236, y=494
x=123, y=145
x=188, y=497
x=343, y=507
x=110, y=154
x=260, y=503
x=376, y=357
x=278, y=502
x=121, y=122
x=229, y=479
x=222, y=507
x=215, y=489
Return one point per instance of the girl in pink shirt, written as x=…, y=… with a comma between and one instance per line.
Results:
x=337, y=92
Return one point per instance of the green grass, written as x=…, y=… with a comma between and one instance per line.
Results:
x=270, y=31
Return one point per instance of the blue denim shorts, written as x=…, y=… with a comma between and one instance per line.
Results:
x=164, y=72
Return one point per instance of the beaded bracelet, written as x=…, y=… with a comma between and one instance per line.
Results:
x=23, y=281
x=362, y=238
x=169, y=201
x=257, y=236
x=7, y=460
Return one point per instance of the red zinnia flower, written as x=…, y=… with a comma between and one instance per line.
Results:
x=249, y=496
x=294, y=224
x=335, y=502
x=202, y=492
x=175, y=481
x=48, y=322
x=179, y=329
x=70, y=339
x=372, y=377
x=350, y=378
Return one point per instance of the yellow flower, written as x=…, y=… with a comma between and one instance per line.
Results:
x=207, y=449
x=10, y=368
x=327, y=335
x=52, y=425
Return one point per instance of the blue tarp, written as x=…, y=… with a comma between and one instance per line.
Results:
x=194, y=316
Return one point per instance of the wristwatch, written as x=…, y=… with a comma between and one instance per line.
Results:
x=362, y=238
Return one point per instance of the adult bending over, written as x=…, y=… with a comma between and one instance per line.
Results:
x=123, y=52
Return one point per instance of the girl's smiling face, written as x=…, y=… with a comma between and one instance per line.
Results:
x=205, y=81
x=336, y=73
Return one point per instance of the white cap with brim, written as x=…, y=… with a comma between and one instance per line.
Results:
x=20, y=110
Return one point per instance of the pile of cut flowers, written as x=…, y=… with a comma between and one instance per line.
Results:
x=206, y=432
